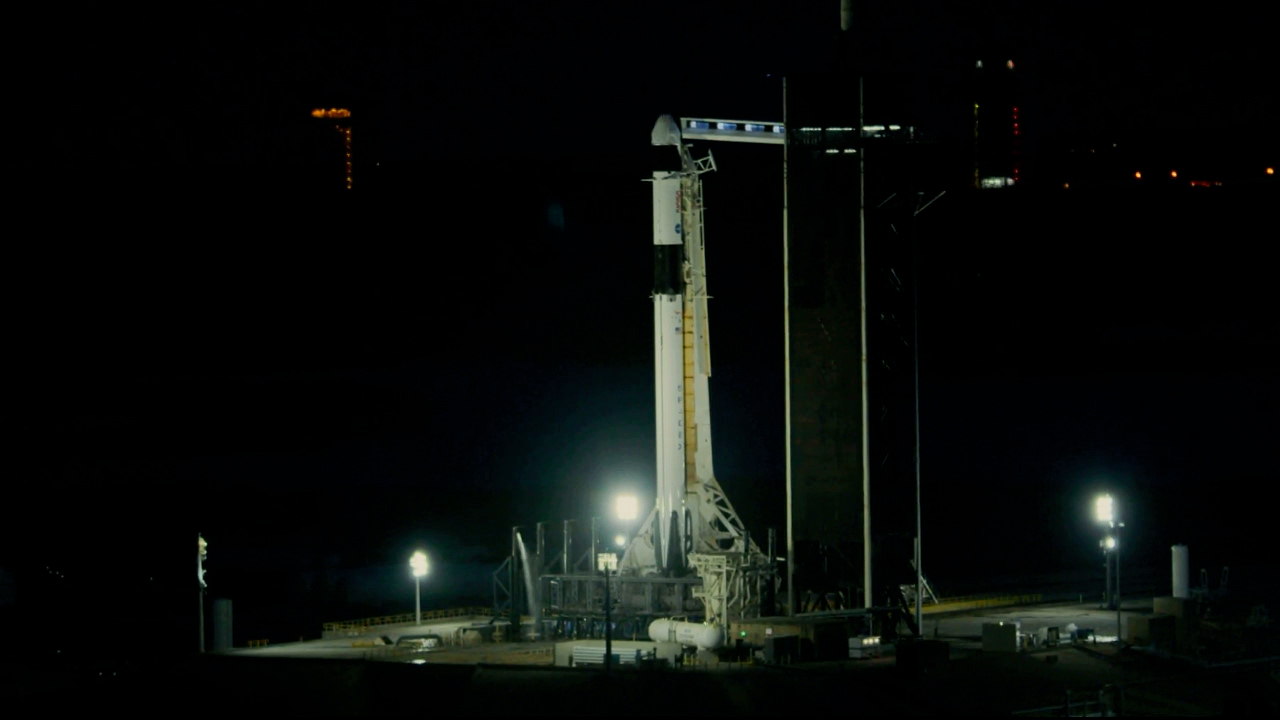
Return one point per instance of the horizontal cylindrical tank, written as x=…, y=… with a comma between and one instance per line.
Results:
x=704, y=637
x=1181, y=572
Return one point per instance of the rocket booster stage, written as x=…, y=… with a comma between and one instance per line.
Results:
x=668, y=361
x=691, y=513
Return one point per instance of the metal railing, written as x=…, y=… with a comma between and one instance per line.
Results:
x=976, y=602
x=364, y=624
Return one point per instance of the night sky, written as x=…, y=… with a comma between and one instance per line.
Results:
x=205, y=333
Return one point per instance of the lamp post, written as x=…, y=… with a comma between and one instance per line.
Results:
x=1119, y=525
x=1105, y=512
x=1107, y=544
x=202, y=552
x=420, y=566
x=626, y=508
x=606, y=562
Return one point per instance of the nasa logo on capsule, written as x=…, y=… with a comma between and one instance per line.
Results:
x=678, y=229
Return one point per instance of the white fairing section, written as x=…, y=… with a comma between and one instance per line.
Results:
x=668, y=363
x=666, y=210
x=703, y=637
x=665, y=132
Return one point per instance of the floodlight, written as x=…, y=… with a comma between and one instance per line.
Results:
x=627, y=507
x=420, y=567
x=419, y=564
x=1104, y=509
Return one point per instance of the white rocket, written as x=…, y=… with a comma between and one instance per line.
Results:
x=691, y=513
x=675, y=399
x=668, y=363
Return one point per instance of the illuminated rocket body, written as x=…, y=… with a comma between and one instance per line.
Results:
x=691, y=513
x=668, y=363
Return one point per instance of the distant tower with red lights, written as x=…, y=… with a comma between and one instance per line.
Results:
x=343, y=116
x=997, y=126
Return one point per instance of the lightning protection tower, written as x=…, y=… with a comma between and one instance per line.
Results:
x=343, y=126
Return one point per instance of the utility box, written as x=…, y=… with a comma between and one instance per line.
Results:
x=1185, y=612
x=1000, y=637
x=1159, y=631
x=864, y=646
x=781, y=649
x=221, y=625
x=1175, y=606
x=1048, y=636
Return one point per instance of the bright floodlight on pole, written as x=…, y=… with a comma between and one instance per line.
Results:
x=202, y=552
x=606, y=562
x=420, y=567
x=627, y=507
x=1104, y=510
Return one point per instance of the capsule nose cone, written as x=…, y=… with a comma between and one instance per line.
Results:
x=665, y=132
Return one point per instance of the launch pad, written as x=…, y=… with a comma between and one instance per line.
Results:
x=717, y=589
x=692, y=560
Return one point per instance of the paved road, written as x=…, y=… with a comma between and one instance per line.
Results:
x=964, y=629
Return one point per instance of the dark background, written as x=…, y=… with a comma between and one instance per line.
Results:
x=204, y=333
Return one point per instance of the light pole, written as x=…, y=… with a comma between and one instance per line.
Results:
x=606, y=562
x=1107, y=544
x=420, y=567
x=1105, y=512
x=1119, y=525
x=202, y=552
x=626, y=508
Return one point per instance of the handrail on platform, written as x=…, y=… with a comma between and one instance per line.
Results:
x=403, y=618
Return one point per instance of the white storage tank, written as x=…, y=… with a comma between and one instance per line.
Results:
x=703, y=637
x=1181, y=572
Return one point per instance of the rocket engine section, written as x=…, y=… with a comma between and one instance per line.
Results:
x=668, y=344
x=703, y=637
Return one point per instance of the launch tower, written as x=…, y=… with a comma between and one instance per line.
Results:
x=343, y=126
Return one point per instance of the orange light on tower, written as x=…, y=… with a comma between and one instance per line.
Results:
x=1173, y=173
x=1138, y=175
x=344, y=128
x=1271, y=171
x=346, y=142
x=331, y=113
